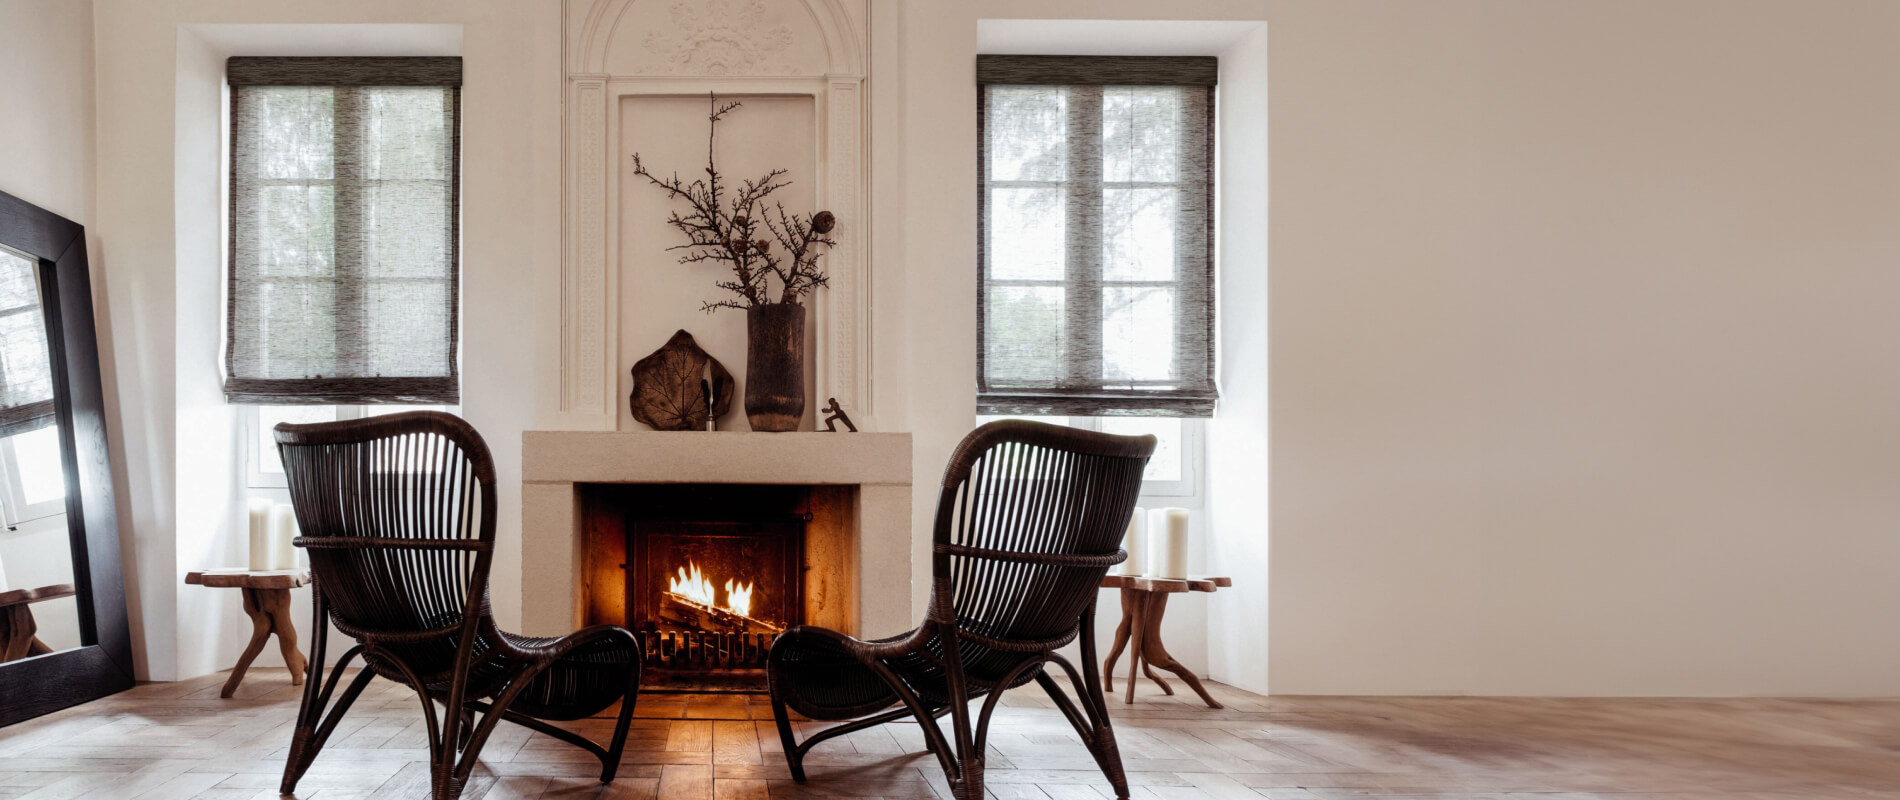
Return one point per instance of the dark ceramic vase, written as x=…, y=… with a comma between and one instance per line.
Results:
x=775, y=366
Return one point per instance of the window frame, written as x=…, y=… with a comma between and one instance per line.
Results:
x=14, y=509
x=256, y=477
x=1193, y=446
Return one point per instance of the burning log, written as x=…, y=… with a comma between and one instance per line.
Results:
x=689, y=613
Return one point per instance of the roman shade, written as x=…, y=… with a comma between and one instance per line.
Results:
x=1096, y=214
x=344, y=277
x=26, y=371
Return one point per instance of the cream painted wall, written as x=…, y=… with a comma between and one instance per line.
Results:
x=1578, y=320
x=659, y=295
x=1578, y=337
x=1689, y=298
x=511, y=149
x=1582, y=349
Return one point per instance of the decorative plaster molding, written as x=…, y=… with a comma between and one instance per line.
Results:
x=846, y=313
x=708, y=45
x=586, y=373
x=719, y=37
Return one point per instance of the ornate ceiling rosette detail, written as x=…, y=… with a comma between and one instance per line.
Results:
x=720, y=37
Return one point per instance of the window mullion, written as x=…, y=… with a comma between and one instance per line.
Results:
x=1082, y=307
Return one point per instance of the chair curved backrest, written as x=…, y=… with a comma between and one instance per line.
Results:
x=1030, y=518
x=397, y=513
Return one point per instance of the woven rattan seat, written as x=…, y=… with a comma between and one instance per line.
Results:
x=1029, y=519
x=397, y=515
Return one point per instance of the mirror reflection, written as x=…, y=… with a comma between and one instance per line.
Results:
x=38, y=611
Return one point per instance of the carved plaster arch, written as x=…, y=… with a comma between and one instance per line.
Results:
x=605, y=23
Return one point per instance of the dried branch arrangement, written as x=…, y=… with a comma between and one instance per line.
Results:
x=733, y=230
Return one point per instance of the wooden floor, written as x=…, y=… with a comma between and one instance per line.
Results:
x=179, y=740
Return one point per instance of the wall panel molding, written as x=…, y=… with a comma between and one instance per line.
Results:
x=617, y=48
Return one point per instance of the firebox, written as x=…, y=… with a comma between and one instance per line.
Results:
x=710, y=574
x=711, y=596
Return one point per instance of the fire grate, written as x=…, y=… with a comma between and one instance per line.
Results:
x=710, y=596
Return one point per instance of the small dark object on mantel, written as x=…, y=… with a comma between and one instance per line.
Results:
x=672, y=390
x=835, y=415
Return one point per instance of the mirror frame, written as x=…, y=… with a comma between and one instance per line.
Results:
x=102, y=664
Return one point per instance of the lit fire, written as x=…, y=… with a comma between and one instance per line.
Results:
x=695, y=586
x=739, y=599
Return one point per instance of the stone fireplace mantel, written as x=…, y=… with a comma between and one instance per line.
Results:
x=555, y=462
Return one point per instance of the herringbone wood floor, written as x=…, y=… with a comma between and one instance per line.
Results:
x=179, y=740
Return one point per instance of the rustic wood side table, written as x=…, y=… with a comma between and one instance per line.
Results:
x=18, y=631
x=267, y=603
x=1144, y=600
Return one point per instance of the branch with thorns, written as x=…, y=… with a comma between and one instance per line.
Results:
x=733, y=231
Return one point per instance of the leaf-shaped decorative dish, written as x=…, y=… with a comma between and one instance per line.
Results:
x=671, y=387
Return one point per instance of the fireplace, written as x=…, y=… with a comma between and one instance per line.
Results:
x=582, y=492
x=710, y=574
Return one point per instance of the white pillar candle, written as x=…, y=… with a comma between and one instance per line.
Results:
x=283, y=528
x=1168, y=543
x=261, y=557
x=1135, y=541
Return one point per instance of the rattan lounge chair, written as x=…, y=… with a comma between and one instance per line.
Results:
x=1029, y=520
x=398, y=516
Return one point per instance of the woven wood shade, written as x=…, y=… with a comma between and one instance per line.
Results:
x=1096, y=268
x=345, y=205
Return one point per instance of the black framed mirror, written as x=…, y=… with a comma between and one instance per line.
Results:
x=64, y=635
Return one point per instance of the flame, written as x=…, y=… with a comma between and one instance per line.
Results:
x=693, y=585
x=739, y=599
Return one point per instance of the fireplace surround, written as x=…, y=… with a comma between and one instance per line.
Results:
x=588, y=498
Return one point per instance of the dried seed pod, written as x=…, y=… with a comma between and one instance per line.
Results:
x=823, y=222
x=763, y=246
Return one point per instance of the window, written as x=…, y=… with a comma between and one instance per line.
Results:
x=1175, y=468
x=1096, y=272
x=344, y=281
x=264, y=468
x=32, y=475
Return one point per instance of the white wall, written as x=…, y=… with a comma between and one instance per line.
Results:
x=1579, y=321
x=46, y=158
x=1583, y=349
x=156, y=271
x=1237, y=446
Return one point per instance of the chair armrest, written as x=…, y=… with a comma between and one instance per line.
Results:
x=514, y=647
x=864, y=650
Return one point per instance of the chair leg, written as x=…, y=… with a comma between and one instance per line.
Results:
x=966, y=781
x=1106, y=752
x=794, y=756
x=313, y=727
x=610, y=763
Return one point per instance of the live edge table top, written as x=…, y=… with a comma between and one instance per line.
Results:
x=247, y=579
x=1192, y=583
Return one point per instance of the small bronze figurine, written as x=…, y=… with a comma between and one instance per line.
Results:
x=835, y=415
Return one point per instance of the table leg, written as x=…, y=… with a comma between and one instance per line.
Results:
x=260, y=632
x=17, y=629
x=1149, y=646
x=277, y=603
x=1148, y=669
x=1131, y=605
